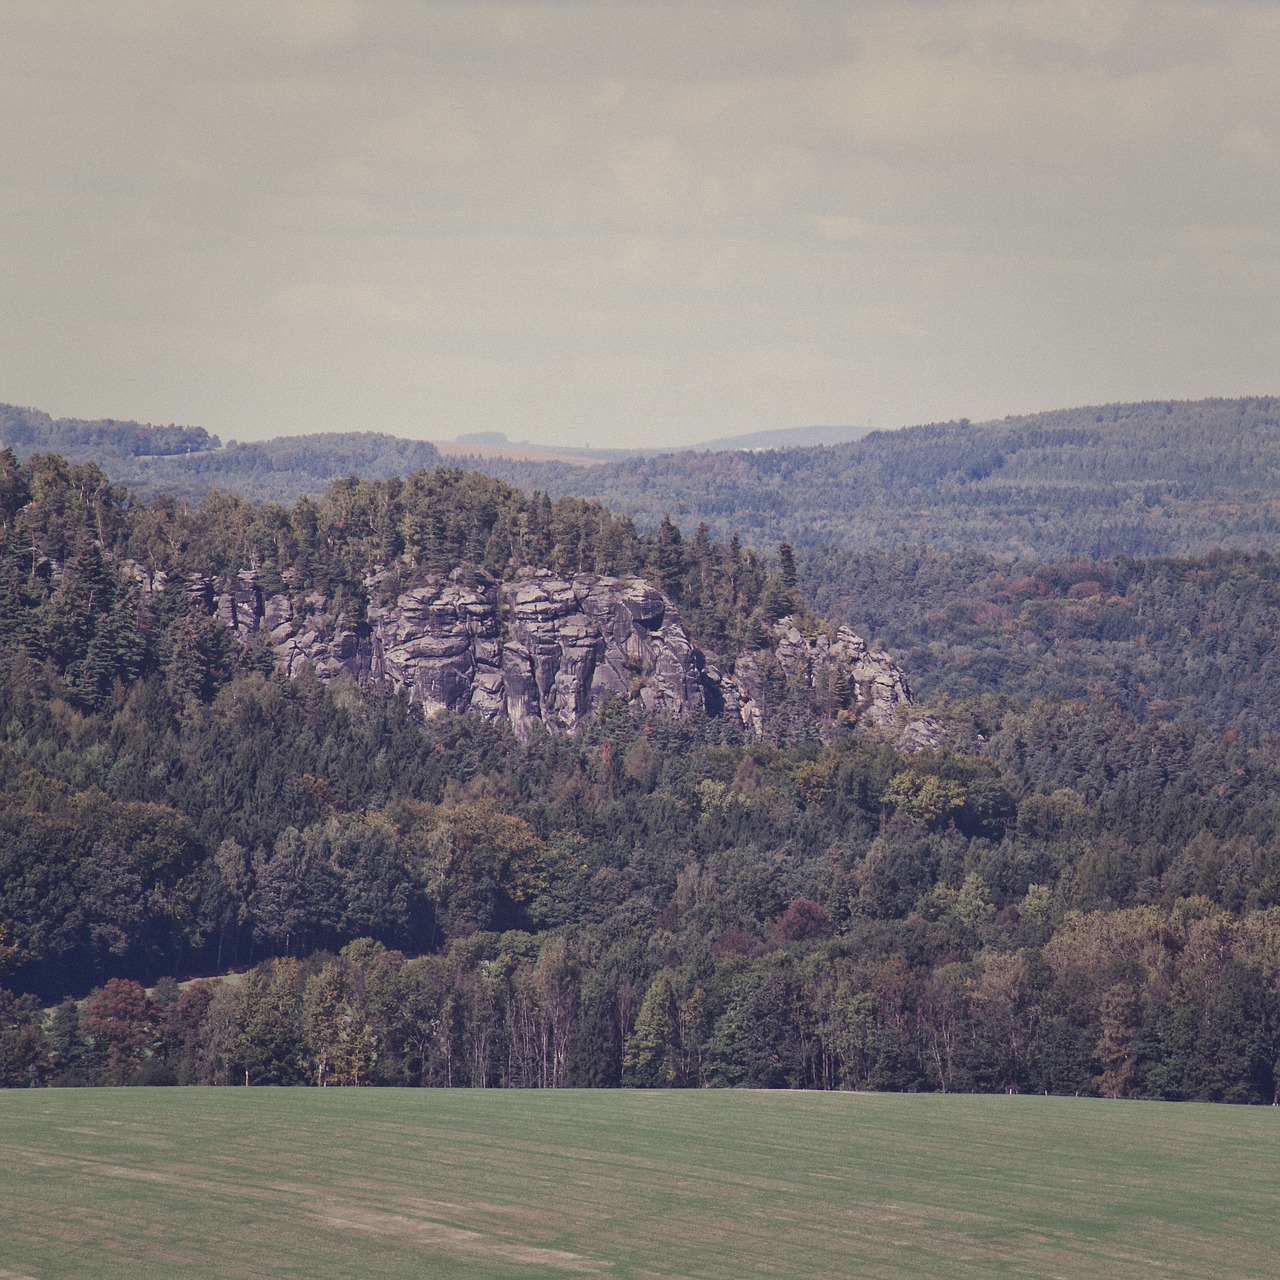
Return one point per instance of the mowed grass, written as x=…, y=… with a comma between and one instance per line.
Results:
x=368, y=1183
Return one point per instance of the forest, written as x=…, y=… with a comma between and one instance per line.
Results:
x=1160, y=478
x=1163, y=637
x=210, y=873
x=189, y=462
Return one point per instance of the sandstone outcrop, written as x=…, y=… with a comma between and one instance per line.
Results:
x=545, y=649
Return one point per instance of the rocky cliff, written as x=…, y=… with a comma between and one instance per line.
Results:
x=544, y=649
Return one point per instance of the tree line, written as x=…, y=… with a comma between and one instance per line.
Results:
x=1158, y=478
x=1137, y=1002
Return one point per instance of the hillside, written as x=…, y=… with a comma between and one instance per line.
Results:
x=187, y=461
x=1154, y=479
x=1062, y=897
x=782, y=438
x=1176, y=478
x=1190, y=638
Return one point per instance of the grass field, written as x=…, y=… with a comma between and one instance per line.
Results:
x=398, y=1183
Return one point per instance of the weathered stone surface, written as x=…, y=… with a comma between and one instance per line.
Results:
x=542, y=649
x=839, y=670
x=435, y=640
x=199, y=590
x=148, y=580
x=241, y=608
x=573, y=643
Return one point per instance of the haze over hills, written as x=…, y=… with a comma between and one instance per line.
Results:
x=188, y=461
x=495, y=444
x=785, y=438
x=1156, y=478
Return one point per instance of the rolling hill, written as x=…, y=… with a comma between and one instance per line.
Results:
x=1158, y=478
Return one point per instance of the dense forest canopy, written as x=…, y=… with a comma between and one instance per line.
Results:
x=1162, y=637
x=1078, y=892
x=31, y=431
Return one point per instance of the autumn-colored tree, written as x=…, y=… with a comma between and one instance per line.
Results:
x=802, y=921
x=124, y=1018
x=1121, y=1014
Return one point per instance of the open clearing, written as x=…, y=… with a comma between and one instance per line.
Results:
x=365, y=1183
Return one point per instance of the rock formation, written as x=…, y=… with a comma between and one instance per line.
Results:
x=545, y=649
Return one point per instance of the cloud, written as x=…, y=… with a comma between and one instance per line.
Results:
x=1249, y=144
x=577, y=211
x=954, y=80
x=846, y=228
x=357, y=304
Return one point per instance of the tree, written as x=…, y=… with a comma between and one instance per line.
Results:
x=297, y=898
x=272, y=1046
x=787, y=565
x=652, y=1052
x=802, y=921
x=72, y=1058
x=23, y=1048
x=343, y=1046
x=125, y=1019
x=669, y=558
x=1121, y=1015
x=480, y=866
x=556, y=981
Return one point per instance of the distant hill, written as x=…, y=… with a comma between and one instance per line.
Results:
x=786, y=438
x=283, y=469
x=494, y=444
x=1158, y=478
x=30, y=431
x=188, y=461
x=472, y=454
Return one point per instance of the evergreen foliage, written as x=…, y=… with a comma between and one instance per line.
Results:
x=1079, y=893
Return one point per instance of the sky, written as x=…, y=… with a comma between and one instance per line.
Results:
x=633, y=223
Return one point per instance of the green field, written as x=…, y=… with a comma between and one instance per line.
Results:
x=404, y=1183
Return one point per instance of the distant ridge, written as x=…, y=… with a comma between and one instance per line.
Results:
x=1146, y=479
x=189, y=462
x=1150, y=479
x=485, y=445
x=783, y=438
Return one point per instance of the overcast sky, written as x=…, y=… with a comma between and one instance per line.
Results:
x=633, y=223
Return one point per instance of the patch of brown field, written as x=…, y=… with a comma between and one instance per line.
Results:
x=169, y=1177
x=457, y=1240
x=522, y=1215
x=14, y=1275
x=416, y=1219
x=125, y=1171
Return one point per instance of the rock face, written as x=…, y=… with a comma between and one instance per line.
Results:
x=844, y=669
x=551, y=650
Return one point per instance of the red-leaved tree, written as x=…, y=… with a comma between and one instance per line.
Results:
x=125, y=1019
